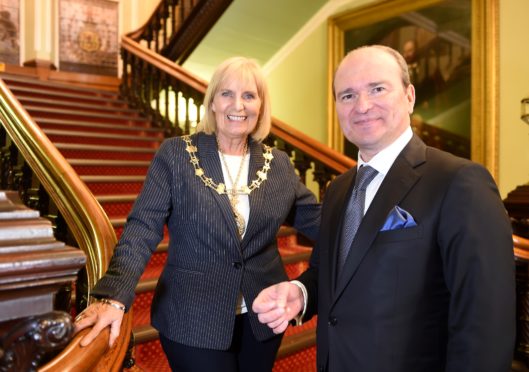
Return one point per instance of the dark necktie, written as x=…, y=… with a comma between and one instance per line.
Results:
x=355, y=211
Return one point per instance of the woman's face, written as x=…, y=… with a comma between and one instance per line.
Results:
x=236, y=106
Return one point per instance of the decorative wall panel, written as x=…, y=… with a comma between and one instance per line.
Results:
x=9, y=31
x=88, y=36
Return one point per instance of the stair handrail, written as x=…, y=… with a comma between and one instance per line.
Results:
x=139, y=33
x=177, y=26
x=84, y=216
x=89, y=224
x=331, y=158
x=521, y=247
x=163, y=63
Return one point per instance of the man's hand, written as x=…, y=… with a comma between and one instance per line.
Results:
x=99, y=315
x=278, y=304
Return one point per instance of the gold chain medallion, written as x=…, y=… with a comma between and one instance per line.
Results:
x=221, y=188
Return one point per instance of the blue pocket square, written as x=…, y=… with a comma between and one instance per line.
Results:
x=398, y=218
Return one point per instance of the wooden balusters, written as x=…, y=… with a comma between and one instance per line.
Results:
x=303, y=162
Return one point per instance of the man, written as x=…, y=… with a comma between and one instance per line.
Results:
x=428, y=280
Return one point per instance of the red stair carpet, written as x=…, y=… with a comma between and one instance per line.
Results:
x=110, y=145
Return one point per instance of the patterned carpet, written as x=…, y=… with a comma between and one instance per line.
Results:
x=111, y=150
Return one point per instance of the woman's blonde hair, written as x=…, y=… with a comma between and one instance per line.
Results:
x=246, y=70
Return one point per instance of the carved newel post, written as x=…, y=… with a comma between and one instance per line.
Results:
x=33, y=266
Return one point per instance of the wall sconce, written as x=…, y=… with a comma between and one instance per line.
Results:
x=525, y=110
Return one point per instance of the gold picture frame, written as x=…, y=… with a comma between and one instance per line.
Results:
x=483, y=67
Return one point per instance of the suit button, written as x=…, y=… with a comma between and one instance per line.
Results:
x=333, y=321
x=321, y=369
x=237, y=265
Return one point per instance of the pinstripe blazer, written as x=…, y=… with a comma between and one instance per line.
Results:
x=207, y=264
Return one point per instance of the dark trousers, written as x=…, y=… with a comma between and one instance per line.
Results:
x=245, y=354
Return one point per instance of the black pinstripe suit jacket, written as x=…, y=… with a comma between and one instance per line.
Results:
x=207, y=265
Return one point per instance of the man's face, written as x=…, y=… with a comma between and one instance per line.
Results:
x=372, y=104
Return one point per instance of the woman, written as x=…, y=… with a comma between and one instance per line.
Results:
x=223, y=195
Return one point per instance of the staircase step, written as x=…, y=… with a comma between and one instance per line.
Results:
x=117, y=198
x=75, y=105
x=295, y=249
x=116, y=207
x=291, y=345
x=84, y=115
x=149, y=357
x=31, y=82
x=109, y=167
x=302, y=361
x=72, y=136
x=117, y=210
x=152, y=272
x=113, y=179
x=297, y=352
x=113, y=184
x=34, y=92
x=304, y=337
x=105, y=152
x=118, y=223
x=298, y=338
x=138, y=128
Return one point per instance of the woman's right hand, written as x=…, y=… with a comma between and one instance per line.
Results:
x=100, y=315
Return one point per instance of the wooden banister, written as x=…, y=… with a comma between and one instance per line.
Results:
x=176, y=27
x=521, y=247
x=84, y=217
x=328, y=156
x=163, y=64
x=316, y=151
x=76, y=358
x=95, y=357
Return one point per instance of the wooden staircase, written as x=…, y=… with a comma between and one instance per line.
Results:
x=110, y=145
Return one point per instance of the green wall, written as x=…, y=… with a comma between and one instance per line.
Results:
x=298, y=86
x=514, y=85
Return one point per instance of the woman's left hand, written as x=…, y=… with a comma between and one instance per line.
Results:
x=99, y=315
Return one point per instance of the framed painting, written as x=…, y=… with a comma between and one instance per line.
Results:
x=451, y=50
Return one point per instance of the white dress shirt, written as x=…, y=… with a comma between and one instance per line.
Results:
x=382, y=162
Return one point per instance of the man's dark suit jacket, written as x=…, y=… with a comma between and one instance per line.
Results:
x=207, y=265
x=436, y=297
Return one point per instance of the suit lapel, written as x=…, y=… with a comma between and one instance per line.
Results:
x=258, y=196
x=210, y=162
x=397, y=183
